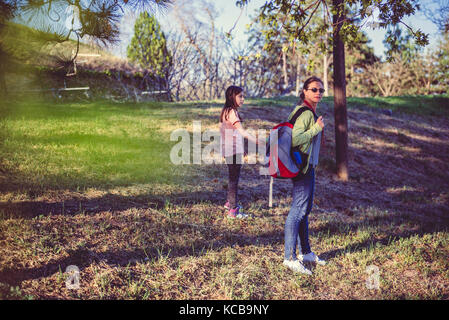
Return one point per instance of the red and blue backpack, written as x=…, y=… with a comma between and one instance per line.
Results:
x=284, y=161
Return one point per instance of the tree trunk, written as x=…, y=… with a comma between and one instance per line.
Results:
x=284, y=70
x=244, y=80
x=325, y=82
x=235, y=71
x=340, y=113
x=298, y=70
x=240, y=74
x=325, y=63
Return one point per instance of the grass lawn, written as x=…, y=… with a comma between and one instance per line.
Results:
x=91, y=185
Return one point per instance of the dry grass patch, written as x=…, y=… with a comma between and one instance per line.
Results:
x=143, y=239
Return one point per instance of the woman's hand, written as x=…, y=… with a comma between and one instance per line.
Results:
x=320, y=122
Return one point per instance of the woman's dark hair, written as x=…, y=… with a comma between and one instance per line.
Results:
x=230, y=94
x=306, y=86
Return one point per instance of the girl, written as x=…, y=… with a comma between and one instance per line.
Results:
x=232, y=134
x=306, y=134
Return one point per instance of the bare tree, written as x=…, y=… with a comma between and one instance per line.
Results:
x=391, y=78
x=183, y=58
x=425, y=73
x=203, y=39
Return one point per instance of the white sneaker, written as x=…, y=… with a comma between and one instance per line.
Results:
x=311, y=257
x=296, y=266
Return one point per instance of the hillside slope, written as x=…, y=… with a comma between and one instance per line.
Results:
x=36, y=63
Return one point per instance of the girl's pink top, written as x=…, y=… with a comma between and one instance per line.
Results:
x=231, y=139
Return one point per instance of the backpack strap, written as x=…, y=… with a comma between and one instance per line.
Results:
x=298, y=113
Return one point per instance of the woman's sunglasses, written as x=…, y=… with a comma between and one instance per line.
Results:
x=316, y=89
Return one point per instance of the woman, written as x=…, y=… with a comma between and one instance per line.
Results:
x=306, y=134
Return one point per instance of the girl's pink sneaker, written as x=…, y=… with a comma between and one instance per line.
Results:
x=227, y=206
x=235, y=213
x=232, y=213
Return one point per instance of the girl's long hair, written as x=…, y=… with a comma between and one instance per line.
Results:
x=230, y=94
x=306, y=86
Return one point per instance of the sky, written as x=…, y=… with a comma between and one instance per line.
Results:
x=232, y=16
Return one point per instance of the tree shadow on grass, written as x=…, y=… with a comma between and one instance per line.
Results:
x=108, y=202
x=214, y=238
x=78, y=202
x=87, y=255
x=391, y=228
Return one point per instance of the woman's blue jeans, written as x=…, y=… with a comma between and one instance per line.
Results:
x=297, y=223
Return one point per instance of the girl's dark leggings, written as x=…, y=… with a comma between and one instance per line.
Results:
x=234, y=164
